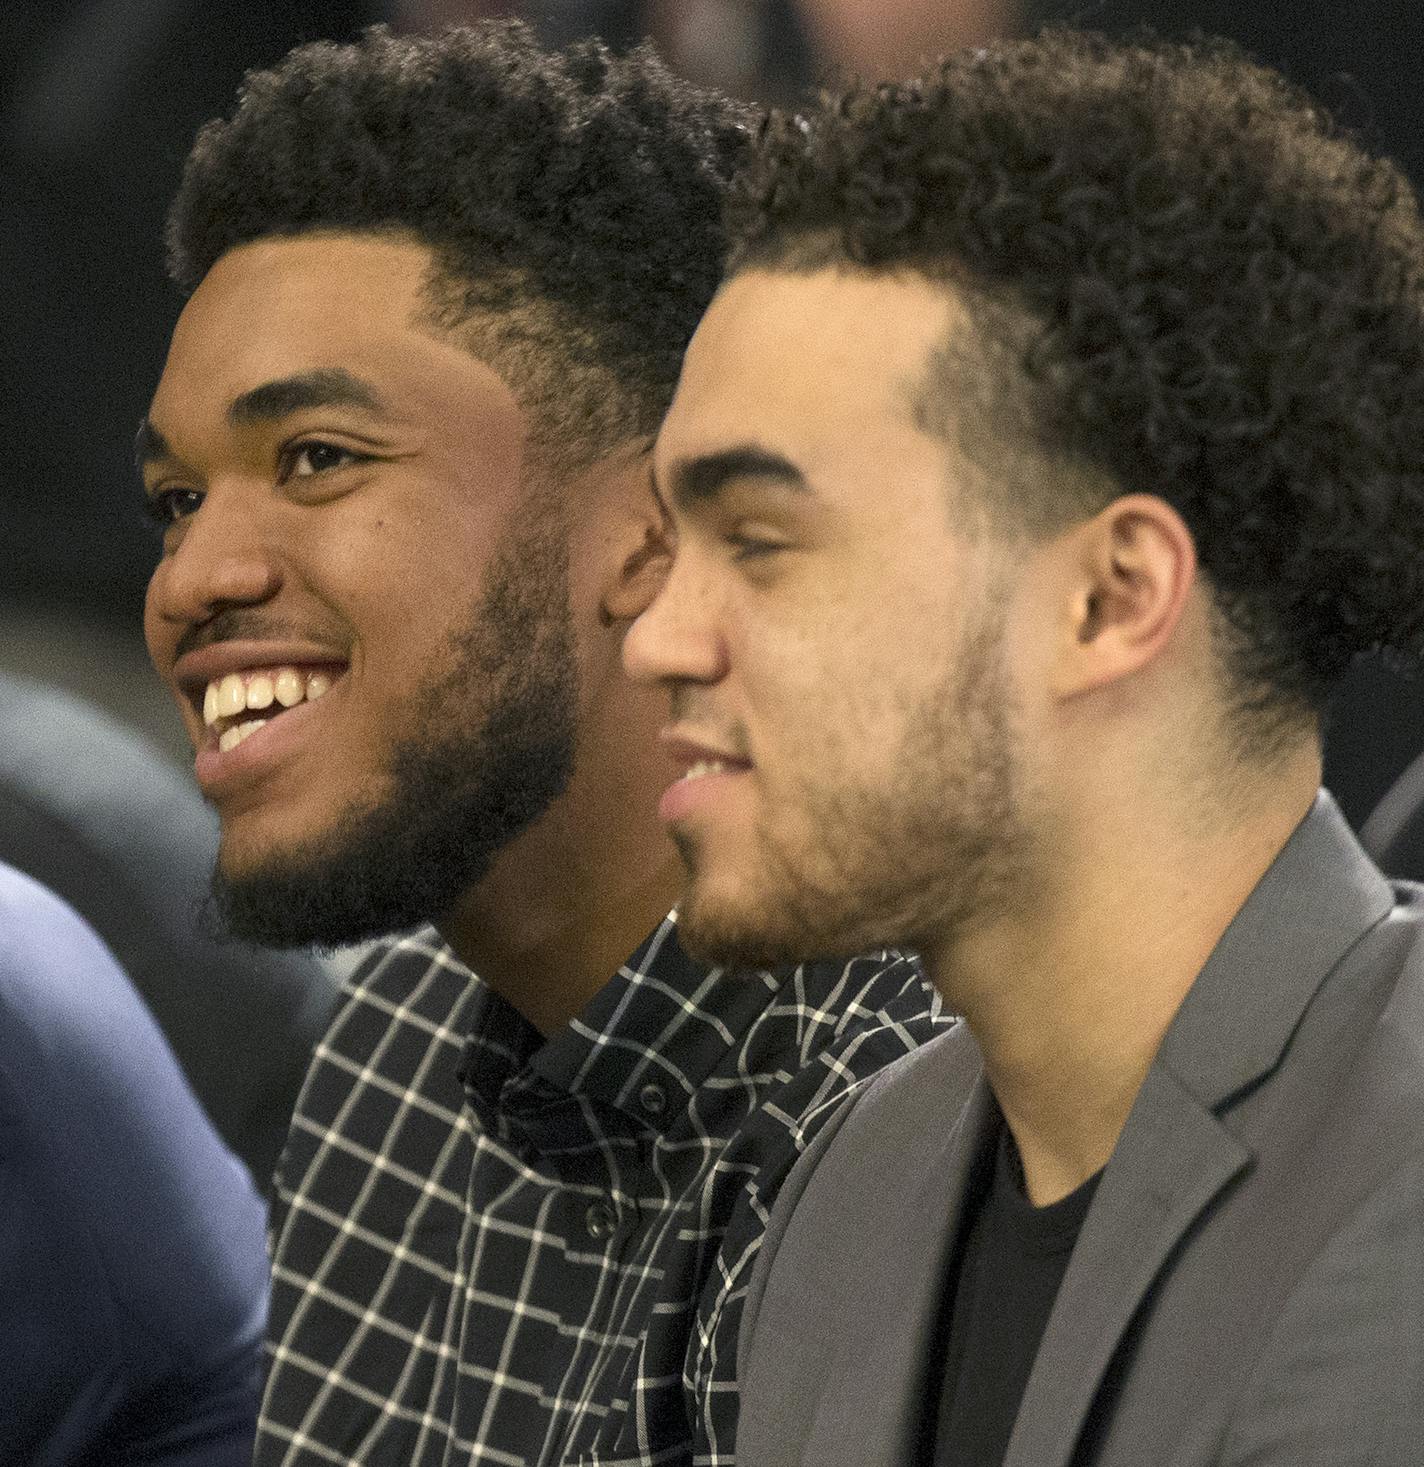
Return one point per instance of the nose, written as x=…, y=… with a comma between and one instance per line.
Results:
x=679, y=638
x=225, y=556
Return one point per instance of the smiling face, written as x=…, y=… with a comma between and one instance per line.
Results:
x=362, y=610
x=835, y=631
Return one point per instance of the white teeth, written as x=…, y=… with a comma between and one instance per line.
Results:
x=705, y=766
x=230, y=738
x=289, y=688
x=231, y=695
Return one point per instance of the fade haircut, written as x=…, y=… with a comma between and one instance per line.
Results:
x=1181, y=279
x=572, y=201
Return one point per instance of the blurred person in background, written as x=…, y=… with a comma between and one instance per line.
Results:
x=762, y=49
x=133, y=1277
x=93, y=811
x=440, y=291
x=88, y=161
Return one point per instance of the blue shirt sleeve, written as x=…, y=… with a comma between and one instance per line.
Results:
x=133, y=1274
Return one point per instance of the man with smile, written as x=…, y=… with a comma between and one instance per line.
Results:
x=440, y=290
x=1052, y=446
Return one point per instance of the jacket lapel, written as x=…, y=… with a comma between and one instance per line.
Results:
x=871, y=1413
x=1166, y=1170
x=1177, y=1151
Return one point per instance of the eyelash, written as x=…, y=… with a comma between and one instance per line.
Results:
x=294, y=451
x=752, y=547
x=160, y=508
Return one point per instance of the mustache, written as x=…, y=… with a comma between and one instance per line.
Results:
x=239, y=624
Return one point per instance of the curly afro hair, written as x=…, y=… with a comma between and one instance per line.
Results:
x=1181, y=279
x=572, y=202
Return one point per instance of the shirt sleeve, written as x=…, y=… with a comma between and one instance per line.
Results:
x=131, y=1240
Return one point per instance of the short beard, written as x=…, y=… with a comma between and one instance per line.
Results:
x=453, y=801
x=940, y=844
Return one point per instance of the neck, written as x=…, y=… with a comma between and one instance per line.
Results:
x=1069, y=999
x=564, y=904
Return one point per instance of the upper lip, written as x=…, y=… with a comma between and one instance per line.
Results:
x=195, y=670
x=688, y=750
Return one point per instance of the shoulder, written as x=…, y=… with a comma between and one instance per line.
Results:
x=106, y=821
x=825, y=1040
x=855, y=1144
x=840, y=1024
x=395, y=1039
x=38, y=933
x=118, y=1165
x=73, y=1024
x=1338, y=1376
x=406, y=995
x=842, y=1146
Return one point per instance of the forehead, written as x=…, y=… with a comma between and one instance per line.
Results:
x=274, y=308
x=814, y=365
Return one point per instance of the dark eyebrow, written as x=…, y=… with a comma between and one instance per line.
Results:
x=320, y=388
x=697, y=480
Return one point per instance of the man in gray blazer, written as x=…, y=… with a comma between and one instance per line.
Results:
x=1055, y=443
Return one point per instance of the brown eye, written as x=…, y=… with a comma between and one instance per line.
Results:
x=168, y=506
x=303, y=460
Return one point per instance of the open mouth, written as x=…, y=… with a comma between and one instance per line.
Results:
x=237, y=705
x=703, y=767
x=708, y=774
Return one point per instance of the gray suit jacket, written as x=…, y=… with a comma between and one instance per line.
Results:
x=1248, y=1286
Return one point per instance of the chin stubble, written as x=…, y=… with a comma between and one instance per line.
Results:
x=939, y=844
x=497, y=751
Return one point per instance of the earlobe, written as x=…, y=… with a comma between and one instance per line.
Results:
x=1133, y=569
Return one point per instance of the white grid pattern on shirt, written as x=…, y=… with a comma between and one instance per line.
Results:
x=437, y=1296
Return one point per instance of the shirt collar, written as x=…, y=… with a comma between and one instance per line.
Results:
x=637, y=1053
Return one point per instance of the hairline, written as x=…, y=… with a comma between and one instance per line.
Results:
x=476, y=330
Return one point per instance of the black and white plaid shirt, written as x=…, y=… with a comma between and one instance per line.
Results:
x=489, y=1247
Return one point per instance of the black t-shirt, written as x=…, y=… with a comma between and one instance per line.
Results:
x=1000, y=1292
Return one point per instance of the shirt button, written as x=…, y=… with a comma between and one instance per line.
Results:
x=653, y=1099
x=601, y=1219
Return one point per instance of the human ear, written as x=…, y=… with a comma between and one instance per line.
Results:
x=1131, y=569
x=646, y=546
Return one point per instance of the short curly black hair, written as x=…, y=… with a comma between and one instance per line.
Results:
x=1187, y=281
x=572, y=199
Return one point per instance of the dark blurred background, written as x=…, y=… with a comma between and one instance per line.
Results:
x=98, y=103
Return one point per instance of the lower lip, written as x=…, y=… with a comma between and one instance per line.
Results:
x=217, y=772
x=688, y=796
